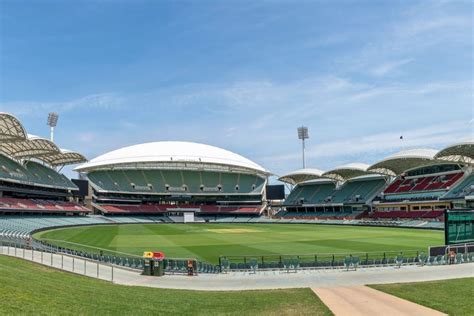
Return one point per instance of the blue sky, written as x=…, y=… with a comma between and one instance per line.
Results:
x=242, y=75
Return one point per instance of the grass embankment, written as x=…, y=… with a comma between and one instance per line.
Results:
x=454, y=297
x=29, y=288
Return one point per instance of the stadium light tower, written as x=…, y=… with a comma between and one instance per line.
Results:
x=52, y=122
x=303, y=134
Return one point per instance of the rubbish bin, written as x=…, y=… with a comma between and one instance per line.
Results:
x=159, y=268
x=154, y=263
x=148, y=267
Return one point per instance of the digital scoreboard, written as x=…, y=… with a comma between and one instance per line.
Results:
x=459, y=226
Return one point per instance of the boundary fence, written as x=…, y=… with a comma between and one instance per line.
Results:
x=102, y=265
x=95, y=269
x=336, y=261
x=458, y=248
x=109, y=257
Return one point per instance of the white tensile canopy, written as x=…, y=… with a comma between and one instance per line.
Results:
x=11, y=128
x=16, y=143
x=461, y=152
x=348, y=171
x=301, y=175
x=400, y=162
x=63, y=158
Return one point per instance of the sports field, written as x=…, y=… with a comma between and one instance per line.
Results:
x=207, y=242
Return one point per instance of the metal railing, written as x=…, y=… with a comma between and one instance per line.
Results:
x=63, y=261
x=319, y=261
x=130, y=261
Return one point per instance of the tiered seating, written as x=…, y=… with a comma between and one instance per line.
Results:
x=125, y=209
x=8, y=205
x=318, y=215
x=163, y=208
x=424, y=183
x=407, y=214
x=466, y=187
x=33, y=173
x=47, y=176
x=417, y=196
x=312, y=193
x=20, y=227
x=166, y=181
x=358, y=191
x=216, y=209
x=11, y=170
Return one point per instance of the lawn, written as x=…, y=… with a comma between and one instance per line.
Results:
x=29, y=288
x=454, y=297
x=207, y=242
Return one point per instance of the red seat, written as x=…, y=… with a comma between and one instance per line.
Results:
x=40, y=206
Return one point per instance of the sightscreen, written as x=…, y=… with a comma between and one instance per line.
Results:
x=459, y=227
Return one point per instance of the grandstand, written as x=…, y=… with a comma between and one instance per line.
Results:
x=169, y=179
x=29, y=180
x=416, y=184
x=345, y=191
x=172, y=178
x=422, y=184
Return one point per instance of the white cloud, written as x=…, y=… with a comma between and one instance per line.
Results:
x=104, y=101
x=86, y=137
x=388, y=67
x=370, y=148
x=423, y=29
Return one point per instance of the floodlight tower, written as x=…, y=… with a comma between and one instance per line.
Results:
x=52, y=122
x=303, y=134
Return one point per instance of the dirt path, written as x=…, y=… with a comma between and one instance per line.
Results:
x=362, y=300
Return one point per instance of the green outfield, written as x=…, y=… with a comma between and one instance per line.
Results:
x=207, y=242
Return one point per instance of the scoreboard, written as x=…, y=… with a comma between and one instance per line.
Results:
x=459, y=226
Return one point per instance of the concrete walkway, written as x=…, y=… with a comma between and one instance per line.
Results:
x=365, y=301
x=245, y=280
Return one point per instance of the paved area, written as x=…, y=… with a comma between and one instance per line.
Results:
x=364, y=301
x=246, y=280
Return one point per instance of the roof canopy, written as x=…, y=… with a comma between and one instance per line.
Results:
x=173, y=153
x=64, y=157
x=32, y=146
x=301, y=175
x=400, y=162
x=11, y=128
x=460, y=152
x=346, y=172
x=16, y=143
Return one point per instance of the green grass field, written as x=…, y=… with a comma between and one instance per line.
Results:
x=453, y=297
x=29, y=288
x=207, y=242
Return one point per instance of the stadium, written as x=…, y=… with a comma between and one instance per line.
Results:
x=172, y=209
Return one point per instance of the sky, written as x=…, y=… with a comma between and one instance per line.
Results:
x=243, y=75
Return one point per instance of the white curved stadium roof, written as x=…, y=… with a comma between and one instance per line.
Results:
x=402, y=161
x=462, y=152
x=301, y=175
x=11, y=128
x=63, y=157
x=348, y=171
x=32, y=146
x=17, y=143
x=171, y=152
